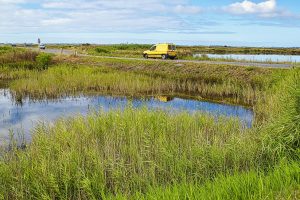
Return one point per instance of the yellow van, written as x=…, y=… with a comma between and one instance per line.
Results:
x=163, y=51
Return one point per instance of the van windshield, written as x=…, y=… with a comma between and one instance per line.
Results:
x=172, y=47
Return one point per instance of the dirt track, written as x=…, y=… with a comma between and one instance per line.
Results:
x=243, y=64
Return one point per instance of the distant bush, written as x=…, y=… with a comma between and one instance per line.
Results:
x=25, y=56
x=131, y=46
x=5, y=49
x=101, y=50
x=220, y=51
x=130, y=49
x=246, y=51
x=43, y=60
x=17, y=56
x=23, y=59
x=204, y=57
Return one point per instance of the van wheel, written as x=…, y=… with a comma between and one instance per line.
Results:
x=164, y=56
x=146, y=56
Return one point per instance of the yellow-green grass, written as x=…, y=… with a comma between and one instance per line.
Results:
x=282, y=182
x=9, y=74
x=123, y=151
x=142, y=154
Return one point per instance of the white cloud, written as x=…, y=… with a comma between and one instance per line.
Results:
x=93, y=16
x=96, y=17
x=59, y=5
x=56, y=21
x=266, y=8
x=183, y=9
x=11, y=1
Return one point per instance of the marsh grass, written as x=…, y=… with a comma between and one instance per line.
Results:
x=142, y=154
x=22, y=59
x=66, y=79
x=8, y=73
x=209, y=73
x=230, y=84
x=191, y=50
x=125, y=152
x=17, y=55
x=243, y=85
x=283, y=133
x=282, y=182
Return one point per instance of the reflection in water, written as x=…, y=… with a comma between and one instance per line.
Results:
x=21, y=118
x=164, y=98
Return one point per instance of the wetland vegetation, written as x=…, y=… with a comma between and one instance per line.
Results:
x=146, y=154
x=187, y=52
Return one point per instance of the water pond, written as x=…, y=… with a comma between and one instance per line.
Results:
x=255, y=58
x=21, y=118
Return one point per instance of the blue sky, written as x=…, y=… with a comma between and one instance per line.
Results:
x=191, y=22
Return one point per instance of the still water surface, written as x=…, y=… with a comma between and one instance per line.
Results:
x=255, y=58
x=22, y=118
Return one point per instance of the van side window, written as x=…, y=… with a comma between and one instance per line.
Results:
x=153, y=48
x=172, y=47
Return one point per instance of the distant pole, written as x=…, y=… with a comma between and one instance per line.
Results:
x=39, y=42
x=61, y=53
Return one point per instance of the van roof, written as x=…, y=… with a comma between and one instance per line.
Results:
x=166, y=43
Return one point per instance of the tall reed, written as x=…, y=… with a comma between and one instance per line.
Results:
x=125, y=152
